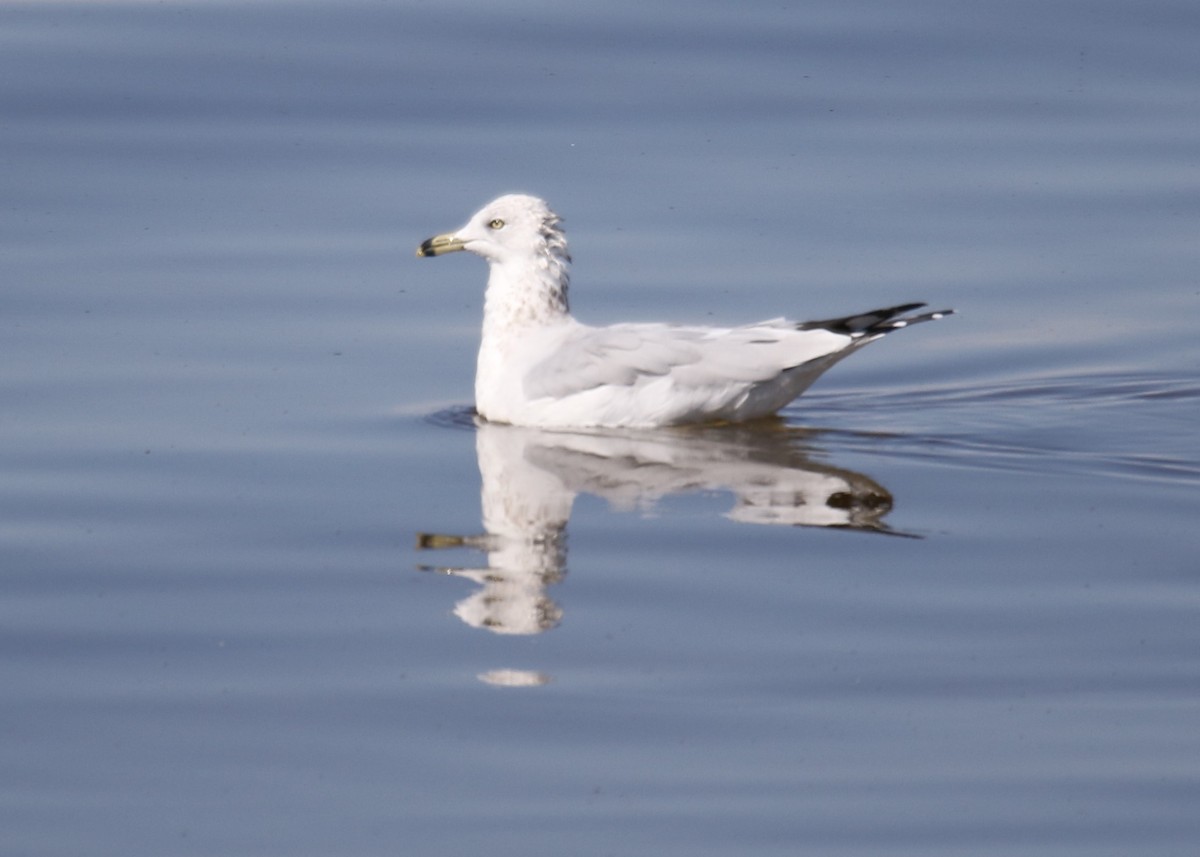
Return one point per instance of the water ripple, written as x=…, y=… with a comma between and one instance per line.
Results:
x=1071, y=422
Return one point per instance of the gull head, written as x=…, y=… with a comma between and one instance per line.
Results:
x=511, y=228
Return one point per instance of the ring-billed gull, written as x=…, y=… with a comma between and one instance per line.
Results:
x=538, y=366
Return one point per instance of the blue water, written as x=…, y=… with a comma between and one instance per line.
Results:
x=266, y=588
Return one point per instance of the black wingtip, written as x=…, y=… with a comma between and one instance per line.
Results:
x=876, y=321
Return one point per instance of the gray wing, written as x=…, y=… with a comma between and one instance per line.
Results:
x=627, y=354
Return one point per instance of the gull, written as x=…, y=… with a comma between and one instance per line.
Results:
x=538, y=366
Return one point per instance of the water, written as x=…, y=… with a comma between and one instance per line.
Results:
x=252, y=603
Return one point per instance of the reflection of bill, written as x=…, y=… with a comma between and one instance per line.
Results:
x=532, y=476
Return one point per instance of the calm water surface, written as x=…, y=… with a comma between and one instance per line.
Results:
x=266, y=588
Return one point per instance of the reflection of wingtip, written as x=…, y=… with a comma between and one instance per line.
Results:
x=870, y=501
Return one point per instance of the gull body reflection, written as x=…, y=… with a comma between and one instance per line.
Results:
x=531, y=477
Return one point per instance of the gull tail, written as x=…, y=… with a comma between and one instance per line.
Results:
x=876, y=322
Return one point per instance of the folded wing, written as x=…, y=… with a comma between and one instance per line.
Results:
x=630, y=354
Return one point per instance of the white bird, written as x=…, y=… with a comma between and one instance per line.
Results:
x=538, y=366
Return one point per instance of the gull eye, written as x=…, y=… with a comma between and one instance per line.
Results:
x=496, y=224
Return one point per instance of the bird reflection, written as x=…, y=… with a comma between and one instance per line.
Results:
x=532, y=476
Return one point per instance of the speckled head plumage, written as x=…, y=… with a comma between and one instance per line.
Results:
x=523, y=241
